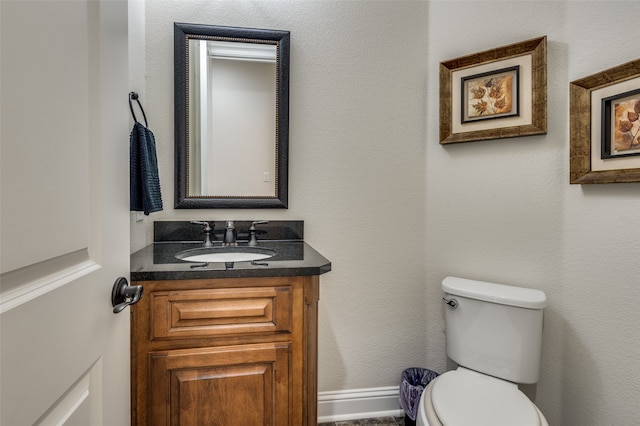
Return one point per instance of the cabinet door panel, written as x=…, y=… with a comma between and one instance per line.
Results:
x=243, y=385
x=219, y=312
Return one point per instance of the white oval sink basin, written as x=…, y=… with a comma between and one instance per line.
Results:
x=225, y=254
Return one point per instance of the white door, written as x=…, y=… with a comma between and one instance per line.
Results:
x=64, y=212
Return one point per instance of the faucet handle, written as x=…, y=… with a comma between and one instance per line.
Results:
x=207, y=232
x=253, y=241
x=207, y=225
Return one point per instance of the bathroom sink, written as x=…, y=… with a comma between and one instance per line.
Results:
x=225, y=254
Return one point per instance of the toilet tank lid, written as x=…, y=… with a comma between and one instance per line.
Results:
x=496, y=293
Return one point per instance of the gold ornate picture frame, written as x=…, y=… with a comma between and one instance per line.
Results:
x=605, y=126
x=498, y=93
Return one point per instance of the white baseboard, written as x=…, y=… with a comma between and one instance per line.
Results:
x=335, y=406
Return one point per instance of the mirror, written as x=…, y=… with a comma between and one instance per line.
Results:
x=231, y=117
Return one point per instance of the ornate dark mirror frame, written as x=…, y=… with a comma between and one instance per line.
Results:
x=182, y=34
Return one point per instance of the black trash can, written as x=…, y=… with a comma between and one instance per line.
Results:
x=413, y=382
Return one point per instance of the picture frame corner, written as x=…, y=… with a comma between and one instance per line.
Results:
x=581, y=141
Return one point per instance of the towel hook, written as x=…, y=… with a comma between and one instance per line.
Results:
x=134, y=96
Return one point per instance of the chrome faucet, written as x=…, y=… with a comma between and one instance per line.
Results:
x=230, y=234
x=207, y=232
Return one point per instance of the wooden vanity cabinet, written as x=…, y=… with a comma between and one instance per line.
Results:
x=238, y=351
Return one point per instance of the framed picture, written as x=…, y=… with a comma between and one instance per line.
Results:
x=498, y=93
x=620, y=125
x=605, y=126
x=492, y=94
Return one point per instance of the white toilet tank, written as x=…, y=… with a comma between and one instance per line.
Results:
x=494, y=329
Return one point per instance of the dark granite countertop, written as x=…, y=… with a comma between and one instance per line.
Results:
x=294, y=258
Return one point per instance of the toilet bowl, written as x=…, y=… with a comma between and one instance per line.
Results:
x=463, y=397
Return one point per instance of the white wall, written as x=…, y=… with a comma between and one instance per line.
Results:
x=396, y=212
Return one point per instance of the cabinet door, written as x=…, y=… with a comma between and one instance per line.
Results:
x=244, y=385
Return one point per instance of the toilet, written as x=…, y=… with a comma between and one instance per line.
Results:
x=494, y=334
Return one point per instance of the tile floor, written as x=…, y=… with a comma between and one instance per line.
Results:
x=383, y=421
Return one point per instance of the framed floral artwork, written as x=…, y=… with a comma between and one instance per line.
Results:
x=620, y=125
x=498, y=93
x=489, y=95
x=605, y=126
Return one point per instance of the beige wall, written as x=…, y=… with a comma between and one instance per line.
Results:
x=396, y=212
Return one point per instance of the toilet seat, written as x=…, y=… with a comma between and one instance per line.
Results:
x=463, y=397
